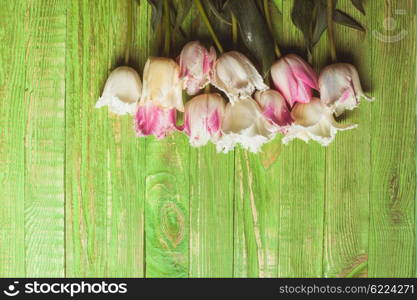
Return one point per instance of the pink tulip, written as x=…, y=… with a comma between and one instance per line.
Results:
x=275, y=109
x=195, y=66
x=203, y=118
x=161, y=97
x=294, y=78
x=340, y=87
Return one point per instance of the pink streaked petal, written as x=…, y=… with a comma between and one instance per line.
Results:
x=214, y=123
x=152, y=120
x=306, y=75
x=347, y=94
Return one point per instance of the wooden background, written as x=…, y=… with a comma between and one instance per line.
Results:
x=80, y=195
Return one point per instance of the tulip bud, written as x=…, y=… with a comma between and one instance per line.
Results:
x=294, y=78
x=275, y=109
x=203, y=118
x=314, y=121
x=195, y=66
x=154, y=120
x=161, y=96
x=234, y=74
x=244, y=124
x=121, y=91
x=161, y=83
x=340, y=87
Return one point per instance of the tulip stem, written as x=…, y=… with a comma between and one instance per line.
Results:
x=167, y=34
x=330, y=29
x=234, y=29
x=208, y=24
x=269, y=23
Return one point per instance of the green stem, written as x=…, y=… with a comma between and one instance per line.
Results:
x=209, y=27
x=330, y=29
x=129, y=32
x=234, y=30
x=167, y=28
x=269, y=23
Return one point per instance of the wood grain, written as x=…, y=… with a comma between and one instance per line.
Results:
x=13, y=116
x=392, y=193
x=348, y=167
x=87, y=175
x=45, y=138
x=125, y=207
x=81, y=196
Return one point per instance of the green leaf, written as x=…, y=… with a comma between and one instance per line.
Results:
x=302, y=15
x=254, y=32
x=212, y=7
x=346, y=20
x=156, y=16
x=319, y=21
x=359, y=5
x=181, y=10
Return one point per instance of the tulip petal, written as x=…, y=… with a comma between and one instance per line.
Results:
x=274, y=108
x=340, y=87
x=195, y=66
x=244, y=124
x=235, y=75
x=154, y=120
x=294, y=78
x=121, y=92
x=162, y=84
x=203, y=116
x=314, y=121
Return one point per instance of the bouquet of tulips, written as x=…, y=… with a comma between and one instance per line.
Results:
x=254, y=113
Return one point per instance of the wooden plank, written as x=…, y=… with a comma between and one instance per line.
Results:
x=392, y=194
x=45, y=138
x=348, y=167
x=166, y=201
x=211, y=213
x=167, y=207
x=13, y=115
x=125, y=206
x=211, y=201
x=257, y=193
x=87, y=138
x=301, y=179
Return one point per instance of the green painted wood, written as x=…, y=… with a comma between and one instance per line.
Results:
x=257, y=212
x=392, y=195
x=211, y=201
x=45, y=138
x=13, y=119
x=348, y=168
x=125, y=207
x=167, y=201
x=87, y=174
x=211, y=213
x=141, y=207
x=302, y=182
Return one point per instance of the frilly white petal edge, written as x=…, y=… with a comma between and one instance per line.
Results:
x=115, y=105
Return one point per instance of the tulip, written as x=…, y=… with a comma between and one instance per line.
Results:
x=161, y=83
x=234, y=74
x=275, y=109
x=244, y=124
x=195, y=66
x=121, y=91
x=203, y=118
x=294, y=78
x=340, y=87
x=161, y=97
x=314, y=121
